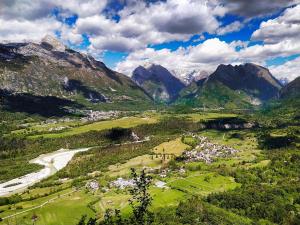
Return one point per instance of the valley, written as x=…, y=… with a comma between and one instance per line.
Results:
x=116, y=150
x=81, y=144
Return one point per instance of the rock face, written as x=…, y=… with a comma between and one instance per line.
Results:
x=254, y=80
x=158, y=82
x=291, y=90
x=51, y=69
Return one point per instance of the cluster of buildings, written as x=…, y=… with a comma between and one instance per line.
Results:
x=121, y=183
x=91, y=115
x=207, y=151
x=92, y=185
x=58, y=128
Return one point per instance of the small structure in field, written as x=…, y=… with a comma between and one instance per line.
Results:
x=161, y=184
x=92, y=185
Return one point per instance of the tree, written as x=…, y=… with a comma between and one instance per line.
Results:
x=139, y=202
x=141, y=199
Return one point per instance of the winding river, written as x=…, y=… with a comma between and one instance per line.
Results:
x=52, y=163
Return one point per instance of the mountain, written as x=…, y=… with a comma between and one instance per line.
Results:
x=50, y=69
x=291, y=90
x=158, y=82
x=285, y=109
x=232, y=87
x=254, y=80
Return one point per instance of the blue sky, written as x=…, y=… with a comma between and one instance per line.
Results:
x=182, y=35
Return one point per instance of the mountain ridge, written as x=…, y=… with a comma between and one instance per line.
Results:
x=158, y=82
x=51, y=69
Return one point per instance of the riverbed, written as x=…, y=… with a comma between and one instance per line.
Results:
x=52, y=163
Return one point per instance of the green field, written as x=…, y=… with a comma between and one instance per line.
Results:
x=175, y=147
x=125, y=122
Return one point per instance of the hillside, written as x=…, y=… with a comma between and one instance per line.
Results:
x=158, y=82
x=49, y=69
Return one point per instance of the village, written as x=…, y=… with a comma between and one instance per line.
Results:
x=207, y=151
x=204, y=150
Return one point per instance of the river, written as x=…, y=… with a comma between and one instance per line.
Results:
x=52, y=163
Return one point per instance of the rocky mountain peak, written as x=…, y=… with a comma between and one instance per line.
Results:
x=52, y=43
x=251, y=78
x=158, y=82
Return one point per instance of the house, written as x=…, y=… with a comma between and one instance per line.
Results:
x=92, y=185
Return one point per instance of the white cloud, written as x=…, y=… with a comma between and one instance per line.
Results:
x=69, y=36
x=212, y=51
x=31, y=20
x=285, y=27
x=289, y=70
x=232, y=27
x=205, y=56
x=256, y=8
x=82, y=8
x=182, y=17
x=23, y=30
x=142, y=24
x=115, y=43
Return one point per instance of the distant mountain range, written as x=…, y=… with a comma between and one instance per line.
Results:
x=228, y=86
x=48, y=73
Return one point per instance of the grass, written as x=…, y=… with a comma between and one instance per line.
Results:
x=37, y=127
x=203, y=184
x=196, y=117
x=175, y=147
x=137, y=162
x=71, y=207
x=161, y=198
x=125, y=122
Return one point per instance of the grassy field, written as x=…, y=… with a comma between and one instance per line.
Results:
x=37, y=127
x=64, y=210
x=175, y=147
x=125, y=122
x=202, y=184
x=196, y=117
x=137, y=162
x=77, y=126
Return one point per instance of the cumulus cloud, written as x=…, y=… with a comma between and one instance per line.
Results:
x=143, y=23
x=182, y=17
x=205, y=56
x=23, y=30
x=30, y=20
x=232, y=27
x=257, y=8
x=285, y=27
x=289, y=70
